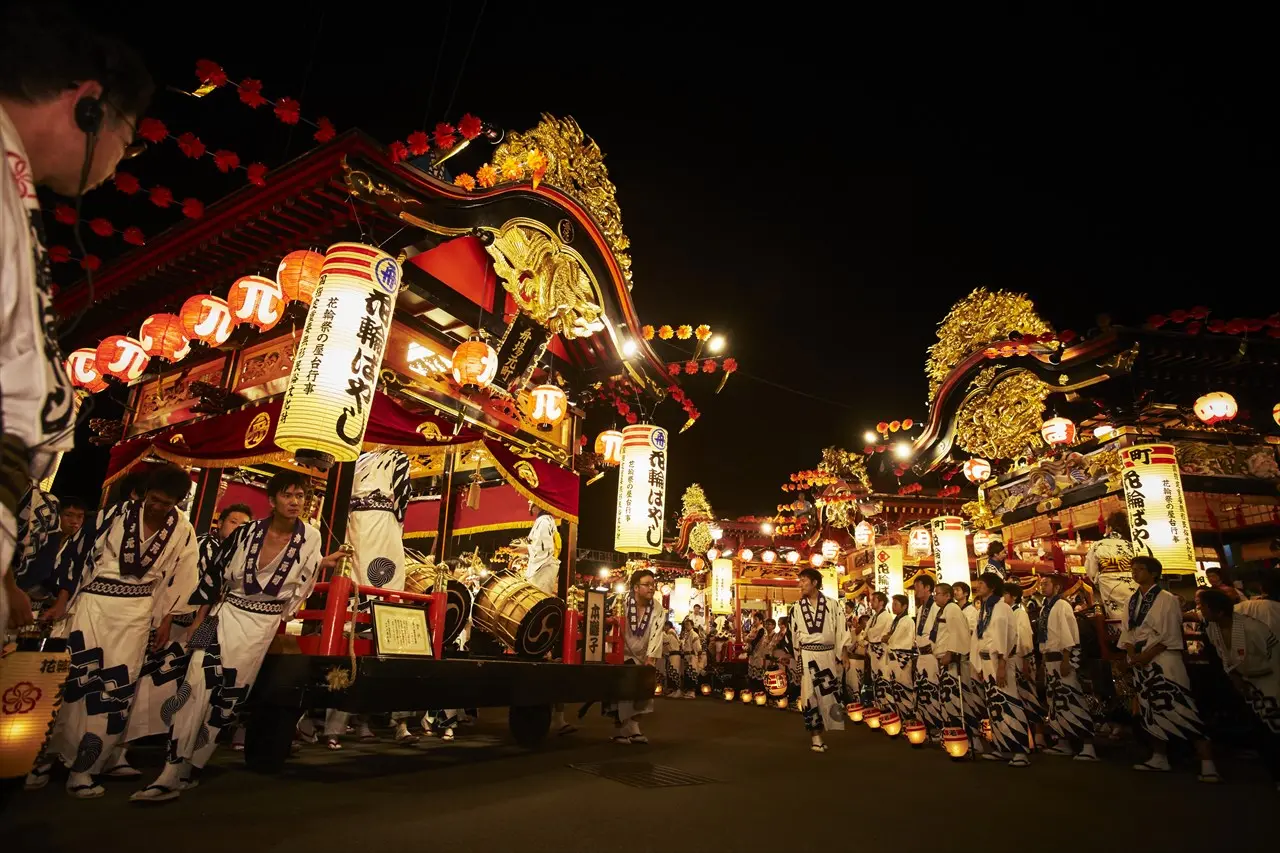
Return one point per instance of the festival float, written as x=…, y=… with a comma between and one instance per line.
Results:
x=362, y=299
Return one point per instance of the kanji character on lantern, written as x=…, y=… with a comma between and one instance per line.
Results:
x=474, y=364
x=83, y=370
x=548, y=406
x=121, y=357
x=1057, y=431
x=609, y=447
x=977, y=470
x=161, y=337
x=207, y=319
x=256, y=300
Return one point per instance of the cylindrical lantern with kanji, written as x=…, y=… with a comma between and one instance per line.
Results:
x=864, y=534
x=976, y=470
x=256, y=300
x=161, y=337
x=30, y=692
x=299, y=275
x=1058, y=431
x=548, y=406
x=1216, y=407
x=83, y=369
x=206, y=319
x=474, y=365
x=335, y=374
x=609, y=447
x=121, y=357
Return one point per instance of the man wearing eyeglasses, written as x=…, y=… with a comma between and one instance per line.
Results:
x=69, y=100
x=642, y=642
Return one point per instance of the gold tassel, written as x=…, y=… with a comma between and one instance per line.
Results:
x=723, y=379
x=687, y=424
x=473, y=494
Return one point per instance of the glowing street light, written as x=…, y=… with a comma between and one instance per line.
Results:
x=870, y=437
x=902, y=450
x=630, y=348
x=716, y=344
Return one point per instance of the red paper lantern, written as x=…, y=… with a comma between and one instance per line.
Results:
x=83, y=369
x=299, y=274
x=206, y=319
x=121, y=357
x=609, y=446
x=256, y=300
x=1216, y=407
x=474, y=365
x=161, y=337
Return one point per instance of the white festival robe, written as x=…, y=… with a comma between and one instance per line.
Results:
x=877, y=638
x=375, y=525
x=975, y=701
x=1109, y=567
x=1065, y=709
x=994, y=637
x=956, y=700
x=229, y=647
x=855, y=671
x=1023, y=653
x=819, y=636
x=693, y=644
x=641, y=640
x=1253, y=652
x=543, y=570
x=928, y=709
x=1264, y=610
x=900, y=664
x=672, y=659
x=1165, y=704
x=165, y=668
x=108, y=628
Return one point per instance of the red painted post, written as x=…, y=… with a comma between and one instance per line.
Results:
x=336, y=613
x=439, y=604
x=617, y=653
x=570, y=651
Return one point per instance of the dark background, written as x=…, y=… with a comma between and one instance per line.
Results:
x=818, y=185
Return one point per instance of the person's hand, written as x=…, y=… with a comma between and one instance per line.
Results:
x=161, y=638
x=945, y=659
x=57, y=611
x=19, y=608
x=330, y=561
x=651, y=662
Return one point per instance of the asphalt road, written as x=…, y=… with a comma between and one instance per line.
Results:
x=758, y=786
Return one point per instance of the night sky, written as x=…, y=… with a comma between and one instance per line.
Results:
x=818, y=186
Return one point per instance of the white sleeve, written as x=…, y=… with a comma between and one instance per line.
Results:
x=307, y=578
x=1165, y=622
x=176, y=590
x=1091, y=564
x=656, y=623
x=1064, y=632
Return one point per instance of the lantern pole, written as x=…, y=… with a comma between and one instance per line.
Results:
x=571, y=539
x=337, y=503
x=444, y=521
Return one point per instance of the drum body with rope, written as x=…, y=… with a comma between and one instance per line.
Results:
x=775, y=681
x=459, y=601
x=526, y=620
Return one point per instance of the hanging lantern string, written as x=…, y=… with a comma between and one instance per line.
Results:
x=212, y=77
x=771, y=383
x=154, y=131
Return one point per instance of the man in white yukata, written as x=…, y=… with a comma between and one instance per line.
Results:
x=1022, y=657
x=166, y=665
x=995, y=638
x=900, y=656
x=138, y=574
x=1152, y=642
x=927, y=709
x=1266, y=607
x=543, y=571
x=1250, y=654
x=1065, y=710
x=267, y=570
x=642, y=645
x=877, y=648
x=975, y=691
x=951, y=645
x=820, y=639
x=69, y=100
x=1107, y=565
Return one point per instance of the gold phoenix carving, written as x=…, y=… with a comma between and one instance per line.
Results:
x=547, y=279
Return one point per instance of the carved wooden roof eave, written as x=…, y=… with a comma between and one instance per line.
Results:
x=441, y=208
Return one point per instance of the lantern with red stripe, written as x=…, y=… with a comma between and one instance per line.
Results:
x=1057, y=431
x=121, y=357
x=548, y=406
x=609, y=447
x=161, y=337
x=256, y=300
x=977, y=470
x=83, y=369
x=298, y=275
x=206, y=319
x=1216, y=407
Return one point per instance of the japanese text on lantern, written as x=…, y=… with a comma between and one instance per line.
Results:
x=335, y=372
x=721, y=585
x=1157, y=507
x=950, y=549
x=888, y=571
x=642, y=490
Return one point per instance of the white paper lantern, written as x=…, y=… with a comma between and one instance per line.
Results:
x=1057, y=431
x=981, y=541
x=888, y=570
x=1216, y=407
x=335, y=371
x=830, y=550
x=864, y=534
x=722, y=586
x=977, y=470
x=746, y=555
x=950, y=550
x=30, y=693
x=642, y=490
x=769, y=556
x=1158, y=519
x=681, y=596
x=920, y=543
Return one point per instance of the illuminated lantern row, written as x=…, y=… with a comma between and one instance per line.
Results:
x=549, y=406
x=335, y=374
x=864, y=534
x=207, y=319
x=299, y=275
x=950, y=550
x=609, y=447
x=1057, y=431
x=746, y=555
x=121, y=357
x=1158, y=518
x=977, y=470
x=161, y=337
x=981, y=541
x=642, y=490
x=769, y=556
x=1216, y=407
x=474, y=365
x=256, y=300
x=83, y=369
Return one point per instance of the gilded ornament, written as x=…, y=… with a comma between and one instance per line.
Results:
x=257, y=432
x=1001, y=417
x=575, y=165
x=850, y=467
x=979, y=319
x=524, y=471
x=547, y=279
